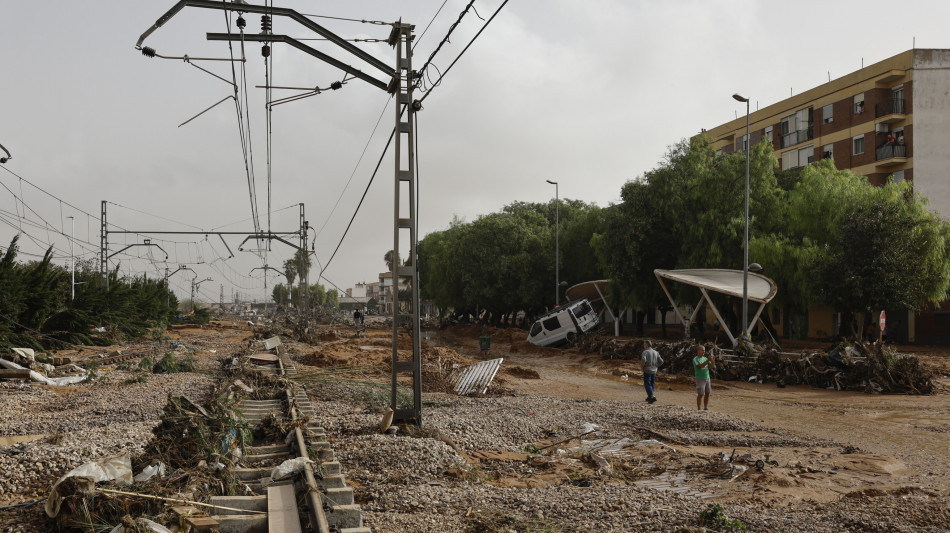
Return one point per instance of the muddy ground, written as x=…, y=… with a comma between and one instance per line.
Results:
x=833, y=460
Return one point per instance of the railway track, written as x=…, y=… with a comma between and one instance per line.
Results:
x=316, y=499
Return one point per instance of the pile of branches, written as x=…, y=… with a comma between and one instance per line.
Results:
x=195, y=443
x=865, y=367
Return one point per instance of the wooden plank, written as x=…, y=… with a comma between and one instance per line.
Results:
x=282, y=515
x=15, y=374
x=202, y=523
x=265, y=358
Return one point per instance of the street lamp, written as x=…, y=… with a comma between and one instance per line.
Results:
x=557, y=244
x=745, y=248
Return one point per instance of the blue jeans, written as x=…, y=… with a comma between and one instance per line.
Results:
x=649, y=383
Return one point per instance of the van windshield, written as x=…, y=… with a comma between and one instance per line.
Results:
x=535, y=329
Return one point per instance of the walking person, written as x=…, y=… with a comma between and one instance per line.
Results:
x=701, y=366
x=651, y=361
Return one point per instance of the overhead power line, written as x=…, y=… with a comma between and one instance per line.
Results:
x=426, y=95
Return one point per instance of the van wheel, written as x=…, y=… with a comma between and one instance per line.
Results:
x=572, y=338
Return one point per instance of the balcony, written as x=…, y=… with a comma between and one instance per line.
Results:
x=891, y=154
x=795, y=137
x=890, y=111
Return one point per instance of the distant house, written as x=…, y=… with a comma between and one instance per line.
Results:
x=352, y=303
x=358, y=291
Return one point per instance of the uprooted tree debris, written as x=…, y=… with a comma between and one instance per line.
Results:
x=861, y=366
x=188, y=460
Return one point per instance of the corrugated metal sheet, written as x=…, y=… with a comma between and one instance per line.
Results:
x=475, y=378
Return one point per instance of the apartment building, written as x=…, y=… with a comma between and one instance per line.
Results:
x=891, y=118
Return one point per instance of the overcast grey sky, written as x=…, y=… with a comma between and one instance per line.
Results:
x=587, y=93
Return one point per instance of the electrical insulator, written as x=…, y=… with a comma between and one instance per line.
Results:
x=148, y=51
x=241, y=22
x=265, y=24
x=265, y=51
x=336, y=85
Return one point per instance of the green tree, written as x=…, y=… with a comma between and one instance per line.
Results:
x=333, y=299
x=280, y=294
x=890, y=252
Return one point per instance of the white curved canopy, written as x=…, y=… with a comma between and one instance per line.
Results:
x=729, y=282
x=761, y=288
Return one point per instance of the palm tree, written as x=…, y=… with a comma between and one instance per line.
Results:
x=290, y=270
x=391, y=260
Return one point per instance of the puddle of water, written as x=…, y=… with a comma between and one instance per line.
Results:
x=15, y=439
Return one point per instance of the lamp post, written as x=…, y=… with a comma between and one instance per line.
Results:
x=557, y=244
x=745, y=248
x=72, y=260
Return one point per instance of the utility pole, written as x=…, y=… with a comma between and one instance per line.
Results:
x=557, y=243
x=72, y=259
x=104, y=245
x=405, y=183
x=304, y=258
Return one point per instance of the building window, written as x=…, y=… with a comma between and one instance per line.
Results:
x=796, y=127
x=806, y=155
x=859, y=104
x=828, y=152
x=898, y=176
x=827, y=114
x=768, y=134
x=743, y=143
x=857, y=143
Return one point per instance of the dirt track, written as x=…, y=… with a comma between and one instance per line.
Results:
x=908, y=436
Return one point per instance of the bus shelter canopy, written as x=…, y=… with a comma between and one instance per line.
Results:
x=724, y=281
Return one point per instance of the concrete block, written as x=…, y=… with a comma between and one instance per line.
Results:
x=345, y=516
x=247, y=503
x=242, y=523
x=341, y=496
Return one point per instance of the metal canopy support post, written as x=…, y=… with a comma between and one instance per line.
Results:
x=672, y=302
x=715, y=310
x=609, y=310
x=405, y=184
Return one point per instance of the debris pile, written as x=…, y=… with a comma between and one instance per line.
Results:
x=866, y=367
x=187, y=460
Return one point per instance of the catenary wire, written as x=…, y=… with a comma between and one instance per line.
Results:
x=426, y=95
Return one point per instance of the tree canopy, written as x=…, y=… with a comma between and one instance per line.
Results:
x=826, y=236
x=505, y=261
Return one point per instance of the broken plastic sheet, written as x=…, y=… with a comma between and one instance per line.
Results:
x=26, y=353
x=289, y=467
x=118, y=468
x=614, y=446
x=36, y=376
x=149, y=472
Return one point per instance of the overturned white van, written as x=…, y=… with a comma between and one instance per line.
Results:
x=564, y=324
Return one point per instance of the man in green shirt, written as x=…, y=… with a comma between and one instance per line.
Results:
x=701, y=366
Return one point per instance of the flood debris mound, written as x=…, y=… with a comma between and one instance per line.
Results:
x=188, y=460
x=860, y=366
